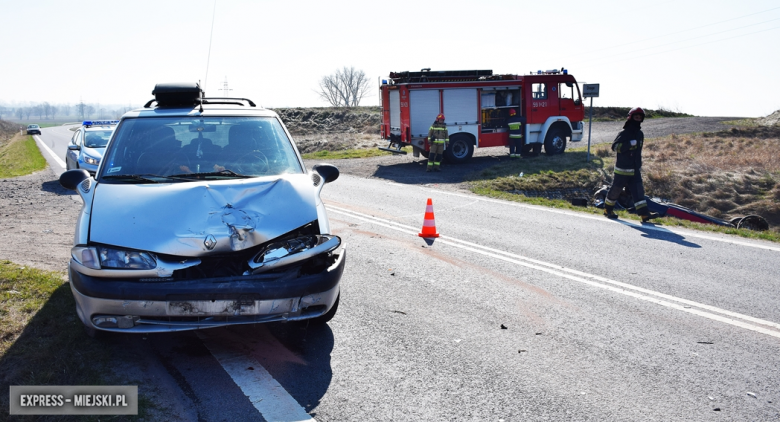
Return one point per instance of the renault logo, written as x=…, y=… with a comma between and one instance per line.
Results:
x=210, y=242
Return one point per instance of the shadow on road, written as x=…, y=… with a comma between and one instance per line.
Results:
x=415, y=172
x=651, y=231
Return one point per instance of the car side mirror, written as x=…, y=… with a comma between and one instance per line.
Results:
x=328, y=172
x=73, y=147
x=72, y=178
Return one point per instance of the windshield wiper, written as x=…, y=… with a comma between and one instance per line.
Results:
x=226, y=173
x=149, y=178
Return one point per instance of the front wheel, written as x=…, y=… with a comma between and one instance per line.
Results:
x=459, y=150
x=555, y=141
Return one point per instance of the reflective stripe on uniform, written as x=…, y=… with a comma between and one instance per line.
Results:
x=624, y=172
x=516, y=136
x=640, y=204
x=515, y=126
x=610, y=203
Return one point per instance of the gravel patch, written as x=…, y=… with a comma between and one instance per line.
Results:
x=37, y=219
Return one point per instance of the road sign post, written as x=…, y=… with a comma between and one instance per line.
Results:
x=590, y=90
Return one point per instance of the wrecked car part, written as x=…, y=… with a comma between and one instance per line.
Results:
x=202, y=214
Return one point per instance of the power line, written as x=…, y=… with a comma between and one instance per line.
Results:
x=680, y=32
x=689, y=39
x=691, y=46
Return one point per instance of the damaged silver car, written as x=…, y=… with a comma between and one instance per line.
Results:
x=202, y=214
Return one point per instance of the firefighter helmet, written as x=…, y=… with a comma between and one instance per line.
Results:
x=512, y=112
x=440, y=117
x=636, y=110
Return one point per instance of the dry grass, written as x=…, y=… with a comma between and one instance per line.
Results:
x=722, y=174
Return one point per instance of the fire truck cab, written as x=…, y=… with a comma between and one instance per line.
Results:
x=476, y=105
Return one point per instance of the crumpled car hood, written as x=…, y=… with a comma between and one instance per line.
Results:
x=200, y=218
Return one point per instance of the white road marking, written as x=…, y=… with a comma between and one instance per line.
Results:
x=46, y=147
x=597, y=218
x=265, y=393
x=685, y=305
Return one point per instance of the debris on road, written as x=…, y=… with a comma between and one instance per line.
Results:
x=503, y=327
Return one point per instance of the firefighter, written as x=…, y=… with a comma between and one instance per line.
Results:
x=628, y=164
x=515, y=124
x=438, y=138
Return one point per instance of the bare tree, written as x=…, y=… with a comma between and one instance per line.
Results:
x=20, y=112
x=344, y=88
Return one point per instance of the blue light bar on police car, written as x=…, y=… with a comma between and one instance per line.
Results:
x=99, y=122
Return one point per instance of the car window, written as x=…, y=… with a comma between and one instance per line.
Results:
x=97, y=139
x=164, y=146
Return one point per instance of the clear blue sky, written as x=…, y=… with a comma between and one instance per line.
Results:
x=714, y=58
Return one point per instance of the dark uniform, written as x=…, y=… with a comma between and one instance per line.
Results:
x=628, y=165
x=515, y=124
x=438, y=137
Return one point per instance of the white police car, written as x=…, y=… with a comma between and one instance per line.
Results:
x=88, y=143
x=201, y=215
x=33, y=129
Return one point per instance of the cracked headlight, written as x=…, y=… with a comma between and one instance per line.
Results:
x=289, y=251
x=91, y=160
x=108, y=258
x=277, y=250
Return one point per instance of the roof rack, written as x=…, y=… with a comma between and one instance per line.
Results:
x=184, y=94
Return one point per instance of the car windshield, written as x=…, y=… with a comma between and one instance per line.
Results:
x=97, y=139
x=32, y=126
x=195, y=148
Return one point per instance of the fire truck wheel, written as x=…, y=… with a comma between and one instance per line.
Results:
x=459, y=150
x=555, y=141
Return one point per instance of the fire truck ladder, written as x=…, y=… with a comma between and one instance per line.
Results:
x=394, y=147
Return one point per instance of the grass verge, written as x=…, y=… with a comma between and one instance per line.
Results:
x=723, y=174
x=20, y=156
x=42, y=340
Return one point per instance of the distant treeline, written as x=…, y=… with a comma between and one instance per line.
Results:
x=46, y=111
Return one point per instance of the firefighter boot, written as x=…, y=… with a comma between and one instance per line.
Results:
x=609, y=212
x=647, y=216
x=436, y=167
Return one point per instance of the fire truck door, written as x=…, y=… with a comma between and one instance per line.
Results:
x=569, y=99
x=543, y=102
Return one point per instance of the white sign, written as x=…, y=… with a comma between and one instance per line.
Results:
x=590, y=90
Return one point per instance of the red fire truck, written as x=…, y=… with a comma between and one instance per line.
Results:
x=476, y=105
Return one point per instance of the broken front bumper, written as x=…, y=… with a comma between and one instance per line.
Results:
x=144, y=307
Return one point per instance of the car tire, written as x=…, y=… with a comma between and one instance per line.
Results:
x=459, y=150
x=555, y=141
x=327, y=316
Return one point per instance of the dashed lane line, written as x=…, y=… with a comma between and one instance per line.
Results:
x=673, y=302
x=265, y=393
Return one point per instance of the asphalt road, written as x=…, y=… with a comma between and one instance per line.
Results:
x=515, y=313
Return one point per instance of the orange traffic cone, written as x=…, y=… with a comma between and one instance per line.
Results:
x=429, y=225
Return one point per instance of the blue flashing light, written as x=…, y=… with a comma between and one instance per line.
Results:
x=89, y=123
x=565, y=71
x=384, y=81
